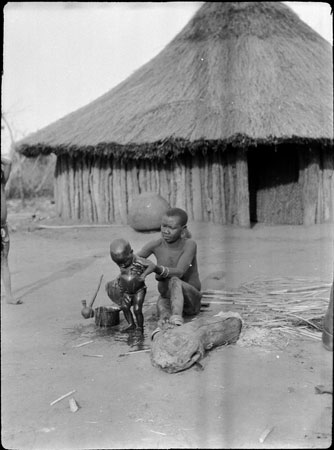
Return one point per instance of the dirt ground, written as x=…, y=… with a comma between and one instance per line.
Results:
x=124, y=401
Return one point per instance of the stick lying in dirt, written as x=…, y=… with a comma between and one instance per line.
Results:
x=304, y=320
x=81, y=345
x=302, y=289
x=264, y=435
x=136, y=351
x=94, y=356
x=159, y=432
x=61, y=398
x=321, y=389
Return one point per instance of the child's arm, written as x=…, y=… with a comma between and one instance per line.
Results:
x=144, y=253
x=183, y=264
x=147, y=250
x=150, y=267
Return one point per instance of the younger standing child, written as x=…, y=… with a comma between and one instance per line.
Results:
x=177, y=273
x=5, y=273
x=129, y=288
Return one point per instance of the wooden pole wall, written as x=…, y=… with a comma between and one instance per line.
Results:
x=212, y=187
x=242, y=190
x=326, y=187
x=309, y=181
x=101, y=189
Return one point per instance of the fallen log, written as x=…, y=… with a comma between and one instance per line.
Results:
x=176, y=349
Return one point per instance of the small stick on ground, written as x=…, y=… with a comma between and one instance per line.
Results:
x=61, y=398
x=136, y=351
x=81, y=345
x=304, y=320
x=302, y=289
x=265, y=434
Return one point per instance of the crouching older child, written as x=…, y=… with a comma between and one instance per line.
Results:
x=176, y=269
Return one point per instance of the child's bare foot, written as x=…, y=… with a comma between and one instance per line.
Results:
x=164, y=319
x=176, y=320
x=139, y=330
x=129, y=328
x=13, y=301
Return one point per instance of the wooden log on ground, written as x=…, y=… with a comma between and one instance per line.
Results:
x=176, y=349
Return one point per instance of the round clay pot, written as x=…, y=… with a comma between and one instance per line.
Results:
x=146, y=211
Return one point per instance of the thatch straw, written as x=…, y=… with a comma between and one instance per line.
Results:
x=238, y=74
x=281, y=304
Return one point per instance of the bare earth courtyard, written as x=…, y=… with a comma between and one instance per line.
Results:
x=125, y=402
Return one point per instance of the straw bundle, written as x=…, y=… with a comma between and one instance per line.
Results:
x=295, y=306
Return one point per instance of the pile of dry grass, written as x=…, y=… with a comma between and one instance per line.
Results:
x=295, y=306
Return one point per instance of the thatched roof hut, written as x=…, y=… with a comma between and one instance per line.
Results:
x=240, y=77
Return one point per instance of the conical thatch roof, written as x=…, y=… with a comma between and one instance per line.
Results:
x=239, y=72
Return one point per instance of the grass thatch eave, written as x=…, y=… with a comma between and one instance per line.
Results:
x=173, y=148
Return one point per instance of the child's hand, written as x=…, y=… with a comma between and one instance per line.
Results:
x=150, y=269
x=126, y=303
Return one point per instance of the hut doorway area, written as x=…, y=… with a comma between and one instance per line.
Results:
x=275, y=195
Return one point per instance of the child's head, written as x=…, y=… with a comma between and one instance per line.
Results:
x=180, y=213
x=174, y=225
x=121, y=252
